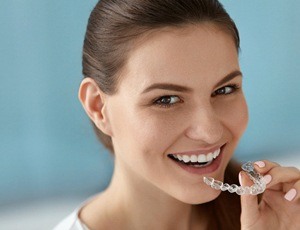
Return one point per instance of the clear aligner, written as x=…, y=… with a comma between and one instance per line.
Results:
x=258, y=187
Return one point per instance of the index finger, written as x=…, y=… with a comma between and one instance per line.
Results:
x=264, y=166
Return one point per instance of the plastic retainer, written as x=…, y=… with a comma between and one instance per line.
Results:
x=258, y=187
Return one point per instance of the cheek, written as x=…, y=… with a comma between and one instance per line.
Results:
x=140, y=131
x=235, y=115
x=153, y=130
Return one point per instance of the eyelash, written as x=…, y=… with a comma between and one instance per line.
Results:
x=157, y=102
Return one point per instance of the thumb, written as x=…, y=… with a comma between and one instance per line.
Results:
x=249, y=203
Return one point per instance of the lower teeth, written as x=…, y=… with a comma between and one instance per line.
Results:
x=202, y=165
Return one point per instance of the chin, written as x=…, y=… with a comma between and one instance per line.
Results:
x=206, y=195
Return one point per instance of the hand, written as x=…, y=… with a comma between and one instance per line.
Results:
x=280, y=204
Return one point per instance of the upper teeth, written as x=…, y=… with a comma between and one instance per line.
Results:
x=201, y=158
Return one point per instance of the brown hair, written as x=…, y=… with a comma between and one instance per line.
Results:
x=114, y=26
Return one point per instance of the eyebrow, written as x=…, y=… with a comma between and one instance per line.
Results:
x=179, y=88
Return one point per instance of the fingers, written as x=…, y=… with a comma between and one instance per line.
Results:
x=293, y=194
x=274, y=173
x=280, y=201
x=249, y=203
x=284, y=179
x=264, y=166
x=281, y=175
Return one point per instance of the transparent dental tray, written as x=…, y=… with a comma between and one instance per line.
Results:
x=258, y=187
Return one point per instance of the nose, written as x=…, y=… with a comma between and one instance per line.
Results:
x=205, y=126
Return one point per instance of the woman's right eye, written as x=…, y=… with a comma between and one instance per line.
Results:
x=167, y=101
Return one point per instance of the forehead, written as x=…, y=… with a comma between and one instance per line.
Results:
x=174, y=54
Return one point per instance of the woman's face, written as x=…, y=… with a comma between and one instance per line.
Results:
x=169, y=101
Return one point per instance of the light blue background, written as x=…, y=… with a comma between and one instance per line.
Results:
x=47, y=145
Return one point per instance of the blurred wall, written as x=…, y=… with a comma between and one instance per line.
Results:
x=47, y=145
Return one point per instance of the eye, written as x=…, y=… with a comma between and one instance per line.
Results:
x=228, y=89
x=167, y=101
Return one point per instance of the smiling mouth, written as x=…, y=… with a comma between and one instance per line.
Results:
x=197, y=161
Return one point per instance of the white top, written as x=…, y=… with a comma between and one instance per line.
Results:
x=72, y=221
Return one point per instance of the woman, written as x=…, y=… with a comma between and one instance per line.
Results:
x=163, y=88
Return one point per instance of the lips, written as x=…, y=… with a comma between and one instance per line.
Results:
x=196, y=163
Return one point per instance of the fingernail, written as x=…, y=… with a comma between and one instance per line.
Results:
x=267, y=178
x=290, y=195
x=260, y=164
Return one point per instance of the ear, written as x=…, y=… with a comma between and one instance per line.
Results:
x=93, y=101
